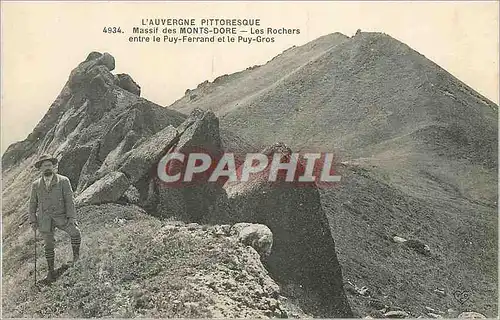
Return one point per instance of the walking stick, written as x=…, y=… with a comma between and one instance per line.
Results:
x=35, y=257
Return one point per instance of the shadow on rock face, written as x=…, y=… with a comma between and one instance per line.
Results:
x=303, y=254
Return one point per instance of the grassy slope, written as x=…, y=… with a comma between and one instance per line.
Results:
x=369, y=207
x=360, y=93
x=136, y=265
x=351, y=95
x=229, y=92
x=223, y=278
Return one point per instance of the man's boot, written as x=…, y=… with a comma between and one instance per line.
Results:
x=51, y=274
x=76, y=253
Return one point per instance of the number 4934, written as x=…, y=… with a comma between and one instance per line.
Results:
x=112, y=30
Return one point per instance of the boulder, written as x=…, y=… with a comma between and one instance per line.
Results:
x=97, y=58
x=101, y=71
x=127, y=83
x=95, y=66
x=93, y=56
x=144, y=158
x=258, y=236
x=200, y=132
x=107, y=60
x=107, y=189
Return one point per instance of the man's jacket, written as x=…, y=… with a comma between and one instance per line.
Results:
x=53, y=203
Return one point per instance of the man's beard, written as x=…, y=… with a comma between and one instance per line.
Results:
x=47, y=173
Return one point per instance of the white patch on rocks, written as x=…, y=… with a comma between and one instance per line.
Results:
x=396, y=314
x=471, y=315
x=398, y=239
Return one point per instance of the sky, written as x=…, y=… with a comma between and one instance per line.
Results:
x=41, y=42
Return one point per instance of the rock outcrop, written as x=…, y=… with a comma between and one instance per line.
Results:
x=109, y=142
x=110, y=188
x=195, y=200
x=141, y=160
x=92, y=107
x=106, y=180
x=91, y=125
x=126, y=82
x=303, y=251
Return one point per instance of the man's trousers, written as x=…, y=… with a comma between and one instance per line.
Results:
x=48, y=236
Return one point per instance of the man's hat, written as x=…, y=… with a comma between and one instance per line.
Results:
x=43, y=158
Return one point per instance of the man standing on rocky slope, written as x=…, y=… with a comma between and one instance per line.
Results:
x=52, y=197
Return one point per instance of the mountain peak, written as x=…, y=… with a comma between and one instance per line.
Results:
x=90, y=92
